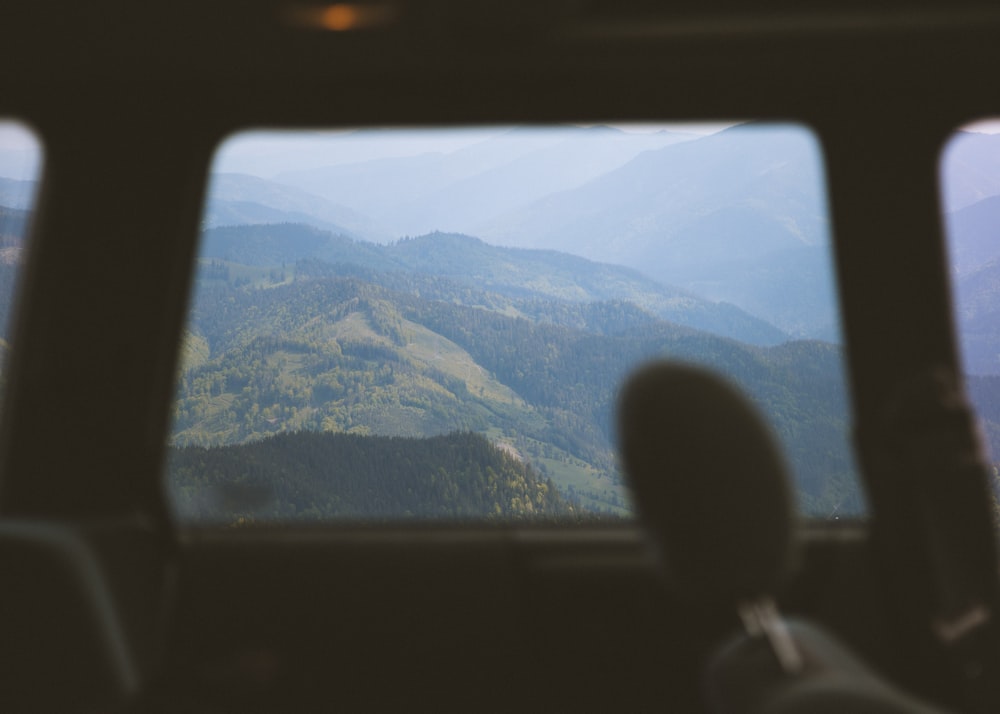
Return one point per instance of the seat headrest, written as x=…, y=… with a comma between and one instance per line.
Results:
x=62, y=646
x=708, y=481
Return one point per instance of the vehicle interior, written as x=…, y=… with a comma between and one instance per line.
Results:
x=110, y=603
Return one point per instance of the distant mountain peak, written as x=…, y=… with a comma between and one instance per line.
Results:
x=443, y=238
x=603, y=129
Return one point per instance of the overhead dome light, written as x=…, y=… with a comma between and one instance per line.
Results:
x=341, y=17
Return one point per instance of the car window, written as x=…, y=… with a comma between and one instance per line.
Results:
x=434, y=323
x=20, y=166
x=970, y=189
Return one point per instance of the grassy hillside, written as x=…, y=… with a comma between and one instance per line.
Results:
x=468, y=262
x=312, y=351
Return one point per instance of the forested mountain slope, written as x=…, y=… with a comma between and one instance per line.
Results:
x=305, y=348
x=297, y=329
x=310, y=475
x=507, y=271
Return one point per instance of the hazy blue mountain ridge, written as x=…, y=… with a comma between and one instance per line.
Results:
x=519, y=273
x=271, y=245
x=20, y=164
x=722, y=215
x=978, y=318
x=736, y=217
x=974, y=235
x=561, y=275
x=974, y=243
x=468, y=205
x=17, y=193
x=13, y=224
x=984, y=393
x=240, y=199
x=458, y=191
x=970, y=168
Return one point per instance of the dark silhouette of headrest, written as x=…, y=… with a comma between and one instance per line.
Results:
x=711, y=490
x=62, y=641
x=708, y=481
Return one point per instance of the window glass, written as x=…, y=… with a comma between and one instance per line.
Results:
x=20, y=163
x=396, y=323
x=970, y=185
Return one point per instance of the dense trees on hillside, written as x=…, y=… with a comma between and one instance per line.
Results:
x=293, y=328
x=309, y=475
x=331, y=353
x=13, y=227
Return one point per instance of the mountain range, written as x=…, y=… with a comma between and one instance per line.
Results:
x=720, y=216
x=398, y=342
x=460, y=190
x=512, y=272
x=593, y=257
x=738, y=216
x=17, y=193
x=970, y=169
x=241, y=199
x=735, y=217
x=974, y=251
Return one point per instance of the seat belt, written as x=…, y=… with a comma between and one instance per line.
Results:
x=937, y=499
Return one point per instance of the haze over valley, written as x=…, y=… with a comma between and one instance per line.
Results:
x=738, y=216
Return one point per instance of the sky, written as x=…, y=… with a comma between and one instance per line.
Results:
x=14, y=135
x=19, y=151
x=269, y=153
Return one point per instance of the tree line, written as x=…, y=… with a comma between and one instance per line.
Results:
x=336, y=476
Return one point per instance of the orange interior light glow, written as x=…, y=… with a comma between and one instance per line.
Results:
x=341, y=17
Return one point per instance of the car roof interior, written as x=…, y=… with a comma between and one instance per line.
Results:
x=129, y=101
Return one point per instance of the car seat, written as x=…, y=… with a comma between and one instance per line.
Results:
x=712, y=495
